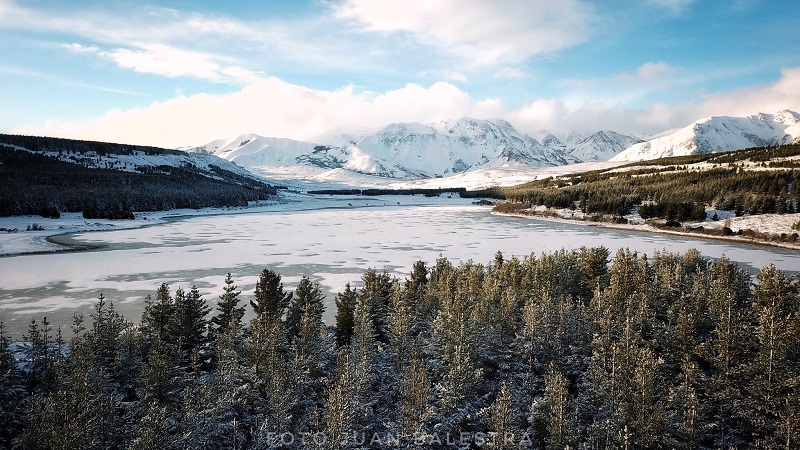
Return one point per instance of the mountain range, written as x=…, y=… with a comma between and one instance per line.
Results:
x=415, y=150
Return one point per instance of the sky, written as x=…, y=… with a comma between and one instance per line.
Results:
x=186, y=72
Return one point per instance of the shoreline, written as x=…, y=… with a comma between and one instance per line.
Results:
x=57, y=239
x=645, y=228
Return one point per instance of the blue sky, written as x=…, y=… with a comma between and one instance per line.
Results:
x=185, y=72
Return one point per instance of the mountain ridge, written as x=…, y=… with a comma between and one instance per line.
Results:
x=416, y=150
x=719, y=134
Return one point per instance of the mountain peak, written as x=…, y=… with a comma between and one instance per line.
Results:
x=719, y=134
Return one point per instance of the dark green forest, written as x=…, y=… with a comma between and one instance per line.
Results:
x=668, y=189
x=37, y=184
x=571, y=349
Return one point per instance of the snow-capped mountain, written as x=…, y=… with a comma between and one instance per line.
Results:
x=720, y=134
x=600, y=146
x=413, y=150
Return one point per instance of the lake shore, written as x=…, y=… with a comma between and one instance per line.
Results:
x=647, y=228
x=25, y=235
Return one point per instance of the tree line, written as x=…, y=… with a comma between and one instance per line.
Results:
x=566, y=349
x=37, y=184
x=666, y=189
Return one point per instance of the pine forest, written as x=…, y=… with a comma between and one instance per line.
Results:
x=571, y=349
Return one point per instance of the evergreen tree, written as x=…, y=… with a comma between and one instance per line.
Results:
x=773, y=376
x=555, y=414
x=415, y=397
x=271, y=301
x=158, y=318
x=345, y=307
x=340, y=412
x=191, y=311
x=311, y=352
x=307, y=296
x=156, y=430
x=502, y=420
x=229, y=313
x=160, y=380
x=377, y=292
x=12, y=393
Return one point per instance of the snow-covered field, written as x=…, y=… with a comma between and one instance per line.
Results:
x=309, y=178
x=774, y=224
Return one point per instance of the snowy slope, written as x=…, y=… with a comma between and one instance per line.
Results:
x=415, y=150
x=601, y=146
x=142, y=160
x=720, y=134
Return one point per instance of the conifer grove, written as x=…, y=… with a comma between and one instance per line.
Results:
x=571, y=349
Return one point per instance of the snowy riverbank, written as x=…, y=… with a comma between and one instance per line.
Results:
x=773, y=225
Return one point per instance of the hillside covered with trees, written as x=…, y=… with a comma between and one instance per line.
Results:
x=47, y=176
x=562, y=350
x=753, y=181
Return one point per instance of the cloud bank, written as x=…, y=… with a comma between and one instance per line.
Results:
x=272, y=107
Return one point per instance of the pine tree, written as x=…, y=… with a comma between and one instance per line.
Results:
x=415, y=397
x=191, y=323
x=556, y=412
x=377, y=292
x=345, y=307
x=310, y=348
x=502, y=420
x=160, y=379
x=229, y=313
x=414, y=289
x=270, y=300
x=773, y=377
x=728, y=350
x=340, y=405
x=158, y=318
x=269, y=361
x=454, y=344
x=365, y=364
x=156, y=430
x=307, y=296
x=12, y=393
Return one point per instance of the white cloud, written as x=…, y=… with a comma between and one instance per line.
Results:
x=171, y=62
x=654, y=70
x=481, y=32
x=273, y=107
x=558, y=115
x=164, y=60
x=79, y=48
x=772, y=97
x=270, y=107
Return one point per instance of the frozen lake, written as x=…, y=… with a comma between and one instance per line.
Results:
x=331, y=245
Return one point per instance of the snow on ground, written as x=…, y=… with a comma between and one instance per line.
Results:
x=775, y=224
x=766, y=223
x=310, y=178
